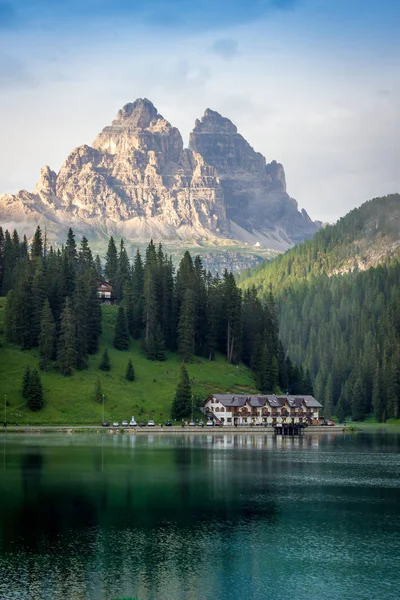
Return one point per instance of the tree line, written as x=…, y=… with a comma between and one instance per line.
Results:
x=52, y=303
x=191, y=312
x=52, y=300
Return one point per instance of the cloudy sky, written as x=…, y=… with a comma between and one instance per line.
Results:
x=314, y=84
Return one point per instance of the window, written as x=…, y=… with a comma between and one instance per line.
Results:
x=229, y=420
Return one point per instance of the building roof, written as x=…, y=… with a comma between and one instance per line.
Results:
x=257, y=401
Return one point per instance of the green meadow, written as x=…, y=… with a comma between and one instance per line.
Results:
x=70, y=400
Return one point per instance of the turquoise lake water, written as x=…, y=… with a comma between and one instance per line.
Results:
x=200, y=517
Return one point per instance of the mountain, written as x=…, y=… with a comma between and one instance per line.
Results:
x=138, y=180
x=365, y=237
x=338, y=299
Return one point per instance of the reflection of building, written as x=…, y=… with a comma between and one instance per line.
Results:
x=258, y=410
x=105, y=291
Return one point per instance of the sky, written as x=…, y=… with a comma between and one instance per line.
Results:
x=313, y=84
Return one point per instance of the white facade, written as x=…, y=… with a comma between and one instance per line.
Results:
x=262, y=410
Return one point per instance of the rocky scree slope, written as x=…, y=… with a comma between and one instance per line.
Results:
x=138, y=180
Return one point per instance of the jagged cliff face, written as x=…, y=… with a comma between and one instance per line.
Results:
x=255, y=192
x=137, y=179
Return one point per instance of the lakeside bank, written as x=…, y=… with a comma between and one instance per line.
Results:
x=176, y=430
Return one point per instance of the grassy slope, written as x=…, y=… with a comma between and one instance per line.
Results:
x=70, y=400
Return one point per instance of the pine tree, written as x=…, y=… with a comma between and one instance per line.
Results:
x=37, y=245
x=137, y=296
x=98, y=392
x=181, y=406
x=80, y=304
x=26, y=383
x=121, y=335
x=98, y=267
x=93, y=313
x=123, y=272
x=155, y=347
x=111, y=265
x=67, y=354
x=38, y=299
x=35, y=392
x=105, y=364
x=85, y=255
x=186, y=330
x=130, y=371
x=47, y=336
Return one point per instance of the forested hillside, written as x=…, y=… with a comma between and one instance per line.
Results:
x=345, y=328
x=52, y=306
x=365, y=237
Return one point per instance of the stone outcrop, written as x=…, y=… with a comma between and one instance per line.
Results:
x=137, y=179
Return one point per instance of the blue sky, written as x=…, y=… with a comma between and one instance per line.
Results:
x=314, y=84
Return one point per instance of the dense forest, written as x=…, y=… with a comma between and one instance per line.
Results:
x=344, y=328
x=364, y=235
x=52, y=304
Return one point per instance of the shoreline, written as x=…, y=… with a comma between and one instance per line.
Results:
x=176, y=430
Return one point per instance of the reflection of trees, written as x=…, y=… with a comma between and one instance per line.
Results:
x=154, y=512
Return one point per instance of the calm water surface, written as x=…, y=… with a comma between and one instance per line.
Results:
x=200, y=517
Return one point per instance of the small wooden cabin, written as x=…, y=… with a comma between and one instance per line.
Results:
x=105, y=291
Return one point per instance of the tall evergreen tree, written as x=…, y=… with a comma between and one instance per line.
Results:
x=111, y=266
x=137, y=296
x=37, y=245
x=67, y=353
x=123, y=272
x=181, y=406
x=35, y=399
x=186, y=325
x=46, y=336
x=121, y=335
x=98, y=267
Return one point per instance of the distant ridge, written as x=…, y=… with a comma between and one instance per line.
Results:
x=367, y=236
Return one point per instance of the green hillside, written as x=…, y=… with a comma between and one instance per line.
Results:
x=70, y=400
x=365, y=237
x=338, y=300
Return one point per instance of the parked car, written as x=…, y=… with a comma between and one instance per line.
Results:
x=124, y=423
x=168, y=424
x=142, y=424
x=105, y=424
x=133, y=423
x=218, y=423
x=115, y=424
x=150, y=423
x=192, y=424
x=210, y=423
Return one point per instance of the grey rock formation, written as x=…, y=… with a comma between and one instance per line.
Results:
x=255, y=192
x=138, y=180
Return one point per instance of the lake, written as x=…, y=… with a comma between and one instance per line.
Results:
x=200, y=517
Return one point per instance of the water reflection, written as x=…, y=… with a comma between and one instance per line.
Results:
x=199, y=516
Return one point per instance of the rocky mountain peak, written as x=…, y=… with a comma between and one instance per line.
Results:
x=139, y=126
x=138, y=114
x=137, y=179
x=213, y=122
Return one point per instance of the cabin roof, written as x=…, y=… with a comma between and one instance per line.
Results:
x=257, y=401
x=103, y=281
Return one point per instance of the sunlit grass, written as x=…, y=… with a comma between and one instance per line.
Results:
x=70, y=400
